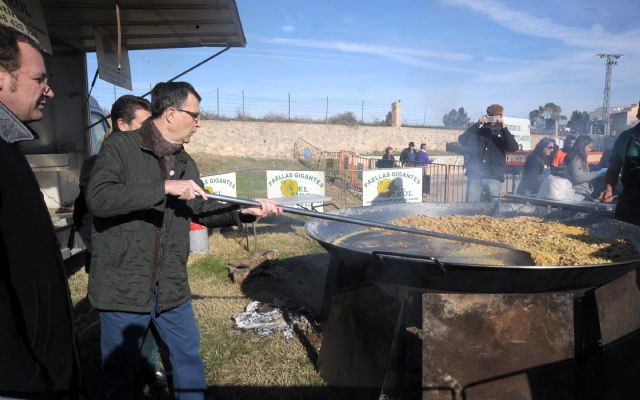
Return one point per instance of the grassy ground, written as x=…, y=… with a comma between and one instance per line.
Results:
x=250, y=173
x=239, y=365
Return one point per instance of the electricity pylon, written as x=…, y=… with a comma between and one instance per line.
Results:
x=606, y=102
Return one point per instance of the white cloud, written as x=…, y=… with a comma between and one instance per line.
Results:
x=571, y=65
x=415, y=57
x=365, y=48
x=595, y=38
x=288, y=28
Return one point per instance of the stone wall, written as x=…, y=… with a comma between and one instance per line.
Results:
x=276, y=140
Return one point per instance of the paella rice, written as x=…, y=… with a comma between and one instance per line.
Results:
x=549, y=242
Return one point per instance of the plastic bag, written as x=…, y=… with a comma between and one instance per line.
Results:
x=556, y=188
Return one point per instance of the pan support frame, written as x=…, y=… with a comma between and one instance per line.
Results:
x=421, y=344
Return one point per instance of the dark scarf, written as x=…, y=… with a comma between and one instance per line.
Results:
x=163, y=149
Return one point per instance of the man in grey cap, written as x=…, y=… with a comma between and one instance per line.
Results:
x=487, y=142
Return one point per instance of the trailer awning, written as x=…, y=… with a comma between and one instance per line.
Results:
x=146, y=24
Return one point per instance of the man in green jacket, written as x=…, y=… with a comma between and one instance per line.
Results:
x=142, y=193
x=625, y=162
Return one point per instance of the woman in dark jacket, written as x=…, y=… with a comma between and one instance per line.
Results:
x=535, y=166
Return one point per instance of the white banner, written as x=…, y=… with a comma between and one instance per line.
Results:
x=385, y=186
x=107, y=53
x=521, y=130
x=295, y=184
x=27, y=17
x=223, y=184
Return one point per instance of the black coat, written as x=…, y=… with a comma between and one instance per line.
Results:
x=531, y=175
x=38, y=351
x=487, y=148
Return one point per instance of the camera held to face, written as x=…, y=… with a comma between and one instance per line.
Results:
x=491, y=119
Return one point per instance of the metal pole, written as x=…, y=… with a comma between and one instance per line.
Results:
x=326, y=112
x=243, y=103
x=170, y=80
x=218, y=100
x=424, y=120
x=194, y=67
x=289, y=106
x=362, y=113
x=93, y=82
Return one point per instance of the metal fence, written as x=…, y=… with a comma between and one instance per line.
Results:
x=441, y=183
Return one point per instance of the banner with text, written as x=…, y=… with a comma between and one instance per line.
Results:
x=294, y=184
x=27, y=17
x=223, y=184
x=521, y=130
x=386, y=186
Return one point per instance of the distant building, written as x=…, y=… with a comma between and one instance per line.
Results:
x=623, y=119
x=597, y=119
x=598, y=113
x=396, y=114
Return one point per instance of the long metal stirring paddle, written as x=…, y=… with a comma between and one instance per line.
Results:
x=522, y=257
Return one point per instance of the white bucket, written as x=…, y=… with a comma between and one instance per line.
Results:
x=198, y=239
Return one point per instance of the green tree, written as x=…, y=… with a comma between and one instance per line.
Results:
x=463, y=118
x=456, y=119
x=548, y=111
x=535, y=115
x=552, y=111
x=345, y=118
x=387, y=119
x=579, y=122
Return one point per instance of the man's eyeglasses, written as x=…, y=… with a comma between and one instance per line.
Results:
x=194, y=115
x=42, y=81
x=550, y=147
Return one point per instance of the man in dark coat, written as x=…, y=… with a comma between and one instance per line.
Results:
x=142, y=192
x=38, y=352
x=408, y=155
x=487, y=142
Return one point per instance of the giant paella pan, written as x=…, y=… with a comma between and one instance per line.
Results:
x=373, y=255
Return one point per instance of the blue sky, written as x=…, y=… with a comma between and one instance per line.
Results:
x=433, y=55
